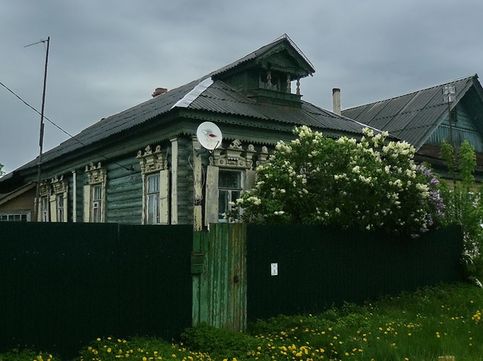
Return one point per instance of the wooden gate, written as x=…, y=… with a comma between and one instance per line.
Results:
x=218, y=265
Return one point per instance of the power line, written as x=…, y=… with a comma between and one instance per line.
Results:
x=35, y=110
x=58, y=126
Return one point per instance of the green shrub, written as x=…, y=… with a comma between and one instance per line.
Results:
x=367, y=184
x=464, y=206
x=218, y=342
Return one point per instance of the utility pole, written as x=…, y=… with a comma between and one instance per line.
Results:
x=41, y=132
x=448, y=96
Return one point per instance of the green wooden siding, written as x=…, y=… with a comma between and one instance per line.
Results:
x=463, y=129
x=124, y=195
x=81, y=179
x=185, y=181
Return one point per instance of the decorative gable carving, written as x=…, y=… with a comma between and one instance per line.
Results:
x=58, y=184
x=95, y=173
x=236, y=156
x=44, y=189
x=151, y=161
x=263, y=155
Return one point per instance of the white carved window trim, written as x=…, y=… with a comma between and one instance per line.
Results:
x=59, y=190
x=96, y=177
x=43, y=202
x=233, y=157
x=153, y=162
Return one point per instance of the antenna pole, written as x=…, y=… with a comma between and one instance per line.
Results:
x=449, y=92
x=41, y=132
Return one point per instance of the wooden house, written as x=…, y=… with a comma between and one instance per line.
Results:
x=425, y=118
x=144, y=165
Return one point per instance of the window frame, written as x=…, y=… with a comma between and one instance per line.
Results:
x=59, y=206
x=95, y=204
x=229, y=191
x=148, y=198
x=44, y=208
x=5, y=216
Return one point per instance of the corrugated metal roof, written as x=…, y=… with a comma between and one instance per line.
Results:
x=117, y=123
x=218, y=97
x=262, y=50
x=411, y=117
x=221, y=98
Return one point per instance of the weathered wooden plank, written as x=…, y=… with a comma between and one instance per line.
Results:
x=221, y=288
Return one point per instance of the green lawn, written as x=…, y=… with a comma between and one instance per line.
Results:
x=423, y=325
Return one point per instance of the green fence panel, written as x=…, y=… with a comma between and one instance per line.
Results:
x=156, y=289
x=318, y=267
x=62, y=285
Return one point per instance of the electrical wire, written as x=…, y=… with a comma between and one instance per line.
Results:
x=58, y=126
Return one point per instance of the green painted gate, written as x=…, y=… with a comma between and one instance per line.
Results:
x=218, y=265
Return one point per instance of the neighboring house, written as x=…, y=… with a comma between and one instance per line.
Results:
x=145, y=165
x=17, y=205
x=421, y=119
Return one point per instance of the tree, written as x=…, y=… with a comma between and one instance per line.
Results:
x=370, y=184
x=1, y=170
x=464, y=205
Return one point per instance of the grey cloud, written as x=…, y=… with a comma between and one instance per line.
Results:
x=109, y=55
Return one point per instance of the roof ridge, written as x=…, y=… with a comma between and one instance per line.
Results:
x=253, y=54
x=342, y=117
x=413, y=92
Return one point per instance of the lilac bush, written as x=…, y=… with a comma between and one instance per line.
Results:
x=367, y=184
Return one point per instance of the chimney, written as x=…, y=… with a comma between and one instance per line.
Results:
x=159, y=91
x=336, y=101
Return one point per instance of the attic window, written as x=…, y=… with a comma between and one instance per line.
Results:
x=274, y=80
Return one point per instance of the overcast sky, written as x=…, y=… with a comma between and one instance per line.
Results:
x=107, y=56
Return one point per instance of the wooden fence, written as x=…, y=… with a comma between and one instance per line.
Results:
x=247, y=272
x=62, y=285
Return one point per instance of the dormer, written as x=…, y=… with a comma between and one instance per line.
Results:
x=270, y=74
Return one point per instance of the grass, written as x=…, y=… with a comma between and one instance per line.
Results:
x=420, y=326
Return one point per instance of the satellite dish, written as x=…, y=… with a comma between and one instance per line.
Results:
x=209, y=135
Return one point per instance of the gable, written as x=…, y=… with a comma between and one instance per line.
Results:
x=282, y=61
x=466, y=125
x=415, y=117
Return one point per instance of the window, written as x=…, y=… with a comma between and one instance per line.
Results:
x=58, y=199
x=94, y=199
x=152, y=199
x=229, y=190
x=44, y=209
x=96, y=203
x=15, y=217
x=59, y=202
x=155, y=177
